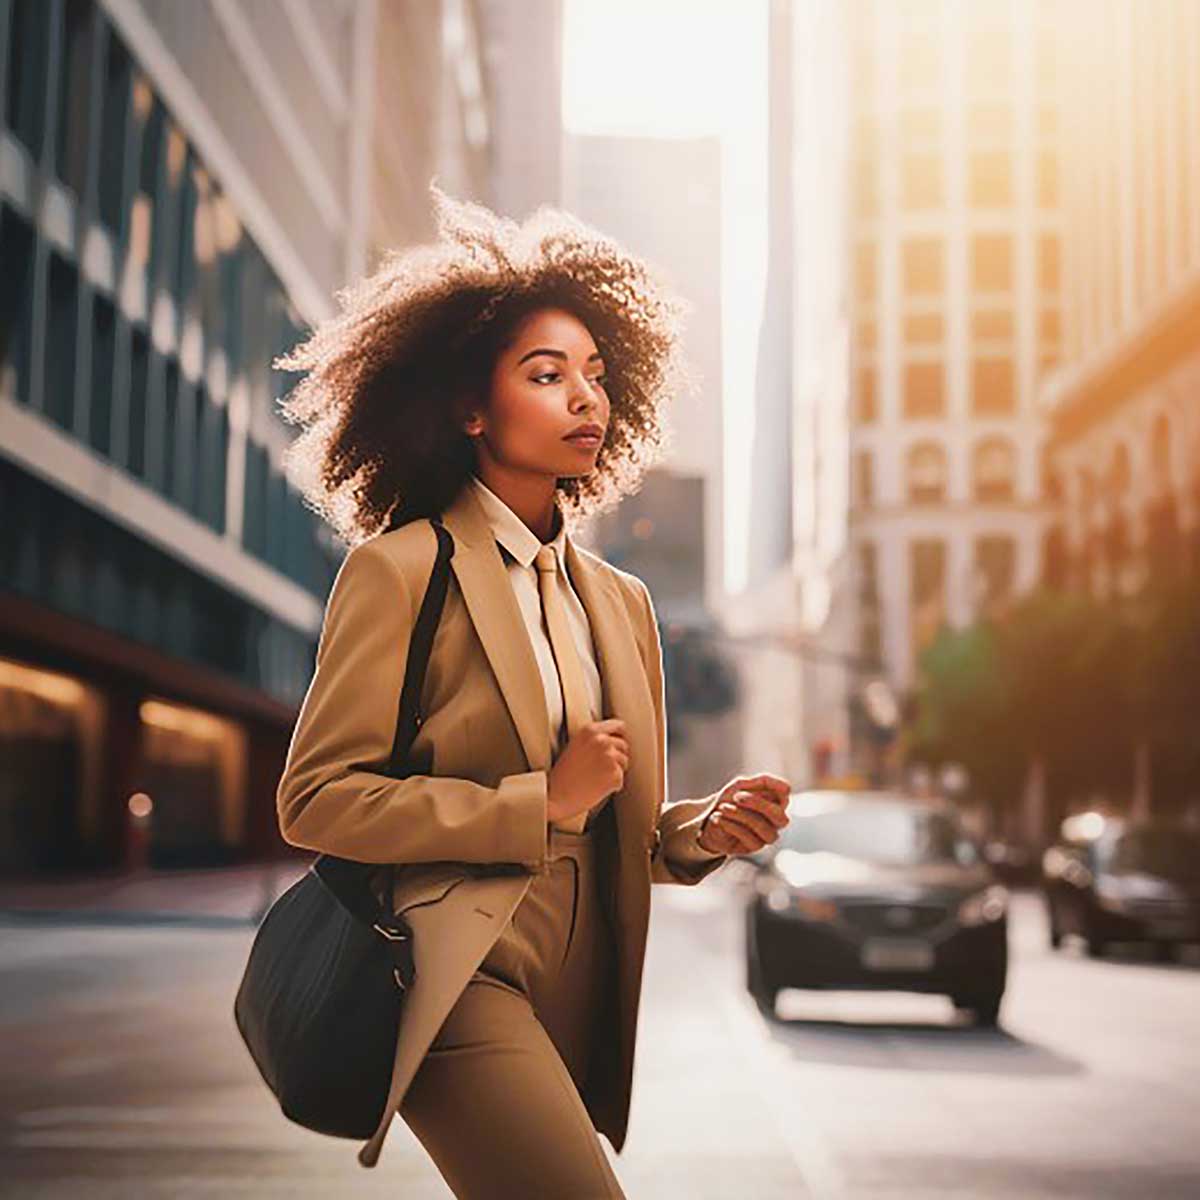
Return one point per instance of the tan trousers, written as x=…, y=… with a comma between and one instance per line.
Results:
x=496, y=1101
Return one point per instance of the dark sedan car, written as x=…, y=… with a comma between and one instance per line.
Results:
x=1110, y=880
x=876, y=890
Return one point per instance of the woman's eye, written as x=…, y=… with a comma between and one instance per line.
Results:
x=545, y=375
x=602, y=380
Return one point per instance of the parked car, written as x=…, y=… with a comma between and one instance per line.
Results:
x=877, y=890
x=1112, y=880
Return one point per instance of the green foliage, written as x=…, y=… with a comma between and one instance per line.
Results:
x=1073, y=680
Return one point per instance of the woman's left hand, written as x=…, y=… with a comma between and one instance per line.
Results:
x=748, y=814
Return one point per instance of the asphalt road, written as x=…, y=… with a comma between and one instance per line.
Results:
x=123, y=1076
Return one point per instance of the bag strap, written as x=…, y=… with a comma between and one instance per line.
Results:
x=348, y=879
x=408, y=722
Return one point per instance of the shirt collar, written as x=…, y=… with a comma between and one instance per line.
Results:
x=512, y=533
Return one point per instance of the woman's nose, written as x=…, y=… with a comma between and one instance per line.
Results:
x=582, y=398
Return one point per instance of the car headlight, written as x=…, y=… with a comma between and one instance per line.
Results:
x=981, y=908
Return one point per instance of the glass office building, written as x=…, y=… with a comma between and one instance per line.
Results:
x=165, y=230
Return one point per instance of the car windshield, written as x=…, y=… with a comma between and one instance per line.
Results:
x=879, y=833
x=1171, y=853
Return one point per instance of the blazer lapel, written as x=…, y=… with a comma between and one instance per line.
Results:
x=486, y=589
x=483, y=579
x=626, y=694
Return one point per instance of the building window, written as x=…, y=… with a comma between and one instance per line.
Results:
x=991, y=262
x=866, y=186
x=101, y=392
x=995, y=471
x=1047, y=180
x=990, y=178
x=992, y=324
x=1119, y=475
x=870, y=633
x=868, y=581
x=922, y=266
x=1048, y=263
x=868, y=408
x=925, y=471
x=62, y=330
x=139, y=379
x=74, y=93
x=28, y=50
x=921, y=181
x=864, y=479
x=16, y=312
x=993, y=392
x=923, y=328
x=1051, y=479
x=924, y=389
x=118, y=77
x=865, y=271
x=995, y=570
x=254, y=514
x=927, y=573
x=170, y=445
x=1055, y=559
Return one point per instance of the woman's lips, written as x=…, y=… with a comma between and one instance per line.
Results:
x=588, y=441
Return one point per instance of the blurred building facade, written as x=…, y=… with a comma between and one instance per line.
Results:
x=523, y=53
x=662, y=198
x=182, y=188
x=956, y=313
x=607, y=180
x=1125, y=407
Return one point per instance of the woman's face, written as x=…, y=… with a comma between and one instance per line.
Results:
x=546, y=383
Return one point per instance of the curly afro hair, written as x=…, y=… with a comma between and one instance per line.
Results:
x=389, y=377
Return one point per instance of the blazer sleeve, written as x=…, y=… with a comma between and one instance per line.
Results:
x=679, y=857
x=332, y=797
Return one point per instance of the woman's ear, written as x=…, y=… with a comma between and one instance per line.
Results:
x=468, y=417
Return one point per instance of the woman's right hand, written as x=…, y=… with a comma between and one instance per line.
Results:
x=592, y=766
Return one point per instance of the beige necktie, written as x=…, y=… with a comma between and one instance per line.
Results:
x=576, y=708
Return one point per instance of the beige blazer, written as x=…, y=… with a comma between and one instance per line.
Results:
x=465, y=837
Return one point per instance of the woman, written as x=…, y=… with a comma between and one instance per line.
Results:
x=455, y=384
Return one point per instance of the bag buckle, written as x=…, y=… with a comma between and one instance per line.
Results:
x=392, y=935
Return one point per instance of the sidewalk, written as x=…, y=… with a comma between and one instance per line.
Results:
x=236, y=895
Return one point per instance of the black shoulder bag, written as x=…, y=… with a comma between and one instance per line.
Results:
x=320, y=999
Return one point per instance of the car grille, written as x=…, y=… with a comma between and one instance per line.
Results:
x=894, y=919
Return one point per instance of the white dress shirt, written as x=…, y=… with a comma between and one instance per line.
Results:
x=519, y=547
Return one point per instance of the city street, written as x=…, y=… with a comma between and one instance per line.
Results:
x=124, y=1076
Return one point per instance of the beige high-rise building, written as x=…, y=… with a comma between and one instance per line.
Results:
x=955, y=238
x=1125, y=408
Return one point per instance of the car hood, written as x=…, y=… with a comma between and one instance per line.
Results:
x=836, y=875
